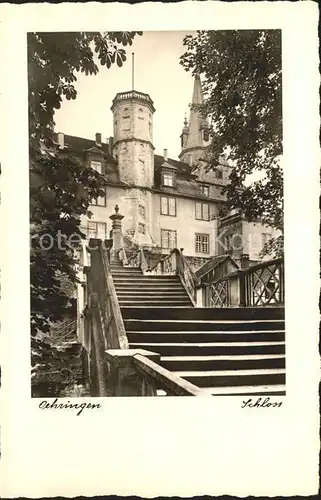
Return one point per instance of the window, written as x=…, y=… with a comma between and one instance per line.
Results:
x=141, y=228
x=168, y=206
x=141, y=211
x=206, y=135
x=168, y=179
x=265, y=238
x=202, y=243
x=168, y=238
x=100, y=201
x=229, y=242
x=201, y=211
x=97, y=230
x=205, y=189
x=218, y=174
x=96, y=165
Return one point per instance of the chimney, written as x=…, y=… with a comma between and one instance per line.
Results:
x=165, y=155
x=110, y=144
x=245, y=260
x=98, y=139
x=61, y=140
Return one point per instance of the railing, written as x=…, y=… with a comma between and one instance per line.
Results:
x=104, y=323
x=137, y=259
x=220, y=293
x=175, y=263
x=132, y=94
x=137, y=372
x=122, y=255
x=259, y=285
x=155, y=376
x=113, y=368
x=64, y=332
x=264, y=283
x=166, y=265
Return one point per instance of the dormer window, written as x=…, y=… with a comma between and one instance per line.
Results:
x=218, y=174
x=96, y=165
x=168, y=179
x=205, y=189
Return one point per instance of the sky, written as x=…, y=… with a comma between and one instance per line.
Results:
x=157, y=73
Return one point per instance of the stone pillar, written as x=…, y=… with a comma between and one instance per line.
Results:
x=117, y=234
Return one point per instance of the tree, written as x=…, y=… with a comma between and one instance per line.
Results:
x=242, y=83
x=60, y=188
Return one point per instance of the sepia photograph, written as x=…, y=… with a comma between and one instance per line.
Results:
x=156, y=213
x=160, y=198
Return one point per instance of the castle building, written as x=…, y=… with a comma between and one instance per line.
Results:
x=166, y=203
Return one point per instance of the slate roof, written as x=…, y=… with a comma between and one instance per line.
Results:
x=212, y=264
x=182, y=168
x=186, y=183
x=80, y=145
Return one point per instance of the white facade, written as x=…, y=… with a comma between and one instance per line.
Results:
x=182, y=213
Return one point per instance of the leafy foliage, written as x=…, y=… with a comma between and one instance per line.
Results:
x=55, y=370
x=61, y=188
x=242, y=84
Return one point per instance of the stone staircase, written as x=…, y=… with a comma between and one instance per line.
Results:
x=137, y=290
x=225, y=351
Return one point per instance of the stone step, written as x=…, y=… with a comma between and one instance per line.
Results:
x=210, y=348
x=196, y=325
x=129, y=285
x=205, y=336
x=150, y=279
x=209, y=313
x=236, y=362
x=116, y=274
x=161, y=302
x=138, y=282
x=223, y=378
x=256, y=390
x=156, y=293
x=142, y=288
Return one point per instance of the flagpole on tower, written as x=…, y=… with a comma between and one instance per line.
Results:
x=133, y=69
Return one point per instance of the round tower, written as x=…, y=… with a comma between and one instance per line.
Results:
x=133, y=137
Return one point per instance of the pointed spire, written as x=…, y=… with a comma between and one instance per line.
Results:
x=196, y=122
x=197, y=90
x=185, y=127
x=184, y=133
